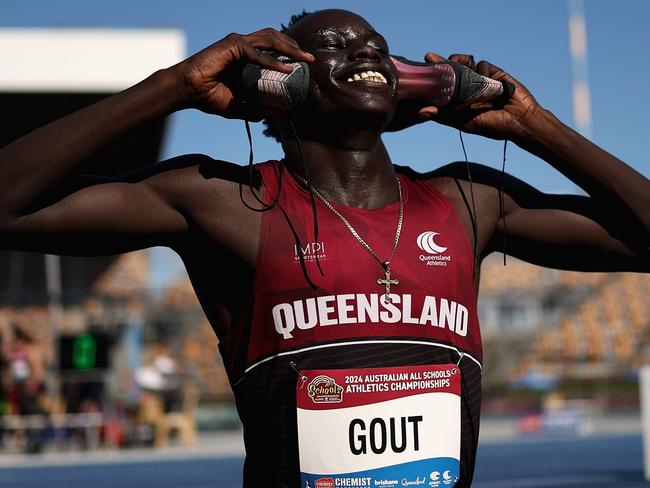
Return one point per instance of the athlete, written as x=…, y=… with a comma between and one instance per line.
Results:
x=388, y=280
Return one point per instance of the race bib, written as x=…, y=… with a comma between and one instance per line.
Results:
x=379, y=427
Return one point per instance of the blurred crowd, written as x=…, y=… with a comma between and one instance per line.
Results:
x=80, y=414
x=22, y=371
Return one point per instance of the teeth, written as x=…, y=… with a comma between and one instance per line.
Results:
x=374, y=76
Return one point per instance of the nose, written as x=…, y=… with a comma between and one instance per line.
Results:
x=362, y=50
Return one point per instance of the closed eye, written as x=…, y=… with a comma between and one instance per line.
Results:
x=380, y=45
x=381, y=49
x=333, y=46
x=332, y=43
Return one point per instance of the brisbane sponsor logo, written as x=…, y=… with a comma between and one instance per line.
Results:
x=389, y=483
x=324, y=389
x=435, y=253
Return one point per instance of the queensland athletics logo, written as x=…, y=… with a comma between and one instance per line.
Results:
x=324, y=389
x=435, y=252
x=427, y=244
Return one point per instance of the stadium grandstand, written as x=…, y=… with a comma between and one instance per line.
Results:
x=543, y=328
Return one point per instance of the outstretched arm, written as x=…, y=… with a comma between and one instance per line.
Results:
x=610, y=230
x=34, y=215
x=573, y=232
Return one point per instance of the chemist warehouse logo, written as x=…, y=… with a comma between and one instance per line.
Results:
x=435, y=253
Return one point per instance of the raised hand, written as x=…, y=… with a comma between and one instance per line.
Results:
x=506, y=121
x=209, y=78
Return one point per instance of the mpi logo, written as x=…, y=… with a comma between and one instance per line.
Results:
x=309, y=252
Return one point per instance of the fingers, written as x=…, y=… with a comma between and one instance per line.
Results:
x=464, y=59
x=428, y=113
x=432, y=57
x=488, y=69
x=270, y=39
x=483, y=67
x=463, y=118
x=264, y=60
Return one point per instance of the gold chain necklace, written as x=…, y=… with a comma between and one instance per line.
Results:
x=385, y=264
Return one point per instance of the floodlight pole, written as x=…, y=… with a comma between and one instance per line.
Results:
x=55, y=314
x=644, y=394
x=579, y=72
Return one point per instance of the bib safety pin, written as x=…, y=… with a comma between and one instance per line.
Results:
x=302, y=377
x=462, y=355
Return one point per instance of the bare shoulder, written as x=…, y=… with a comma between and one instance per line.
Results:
x=474, y=191
x=185, y=178
x=465, y=185
x=215, y=196
x=197, y=183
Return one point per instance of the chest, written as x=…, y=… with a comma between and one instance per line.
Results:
x=326, y=287
x=430, y=251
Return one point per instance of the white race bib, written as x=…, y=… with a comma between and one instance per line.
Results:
x=379, y=427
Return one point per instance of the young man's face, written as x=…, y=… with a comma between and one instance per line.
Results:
x=345, y=45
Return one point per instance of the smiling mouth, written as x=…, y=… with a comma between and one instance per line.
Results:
x=369, y=76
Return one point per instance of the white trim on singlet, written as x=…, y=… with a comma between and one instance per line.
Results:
x=336, y=344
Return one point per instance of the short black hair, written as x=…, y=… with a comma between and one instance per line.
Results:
x=270, y=129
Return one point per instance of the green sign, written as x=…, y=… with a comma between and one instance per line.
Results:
x=84, y=352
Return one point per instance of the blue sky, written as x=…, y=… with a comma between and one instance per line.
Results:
x=528, y=39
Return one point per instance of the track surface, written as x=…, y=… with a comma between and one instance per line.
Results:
x=595, y=463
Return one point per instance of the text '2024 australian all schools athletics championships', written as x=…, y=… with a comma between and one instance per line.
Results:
x=379, y=427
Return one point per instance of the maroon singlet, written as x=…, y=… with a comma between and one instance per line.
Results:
x=343, y=322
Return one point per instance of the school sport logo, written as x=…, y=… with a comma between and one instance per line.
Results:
x=435, y=257
x=324, y=389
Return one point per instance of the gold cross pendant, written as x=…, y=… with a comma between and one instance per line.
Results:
x=387, y=281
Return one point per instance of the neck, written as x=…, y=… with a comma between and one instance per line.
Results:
x=356, y=172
